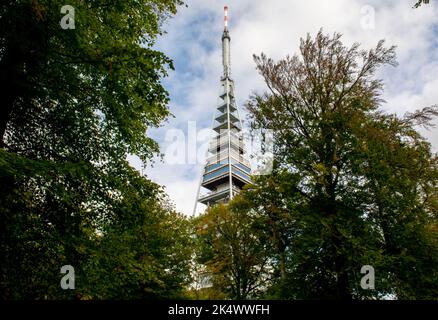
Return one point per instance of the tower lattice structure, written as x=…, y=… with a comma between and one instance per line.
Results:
x=227, y=168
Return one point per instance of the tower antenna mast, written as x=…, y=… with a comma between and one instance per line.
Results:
x=227, y=169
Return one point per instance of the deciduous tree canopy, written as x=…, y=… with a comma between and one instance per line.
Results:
x=350, y=187
x=75, y=102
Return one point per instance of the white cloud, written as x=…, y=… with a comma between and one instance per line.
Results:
x=193, y=41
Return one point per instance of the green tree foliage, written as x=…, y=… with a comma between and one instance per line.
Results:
x=148, y=250
x=75, y=102
x=234, y=250
x=351, y=186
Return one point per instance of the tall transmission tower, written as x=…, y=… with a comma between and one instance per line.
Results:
x=226, y=169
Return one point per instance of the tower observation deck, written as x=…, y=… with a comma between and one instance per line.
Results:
x=226, y=169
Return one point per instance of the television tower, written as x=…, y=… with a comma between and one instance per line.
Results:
x=227, y=169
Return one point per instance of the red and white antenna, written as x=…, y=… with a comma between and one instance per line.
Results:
x=225, y=17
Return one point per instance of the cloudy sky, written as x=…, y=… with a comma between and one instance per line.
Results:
x=193, y=41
